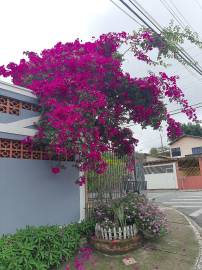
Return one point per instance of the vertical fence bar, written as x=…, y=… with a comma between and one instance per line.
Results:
x=110, y=185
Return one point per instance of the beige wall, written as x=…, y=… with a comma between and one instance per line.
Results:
x=186, y=144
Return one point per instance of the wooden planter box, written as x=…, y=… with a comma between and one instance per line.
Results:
x=116, y=240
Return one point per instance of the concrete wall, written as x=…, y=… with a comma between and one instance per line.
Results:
x=14, y=122
x=167, y=180
x=186, y=144
x=18, y=126
x=17, y=92
x=30, y=194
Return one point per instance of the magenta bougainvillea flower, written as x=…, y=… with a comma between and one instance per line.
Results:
x=81, y=181
x=55, y=170
x=85, y=96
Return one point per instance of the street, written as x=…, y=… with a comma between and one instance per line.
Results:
x=188, y=202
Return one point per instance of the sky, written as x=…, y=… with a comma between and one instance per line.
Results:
x=32, y=25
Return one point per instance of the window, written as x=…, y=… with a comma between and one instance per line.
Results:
x=176, y=152
x=197, y=150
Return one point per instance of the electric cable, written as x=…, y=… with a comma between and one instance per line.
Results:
x=126, y=13
x=181, y=52
x=180, y=13
x=173, y=14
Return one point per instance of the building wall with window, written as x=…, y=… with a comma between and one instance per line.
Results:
x=186, y=145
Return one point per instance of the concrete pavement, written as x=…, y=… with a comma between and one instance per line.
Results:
x=188, y=202
x=177, y=250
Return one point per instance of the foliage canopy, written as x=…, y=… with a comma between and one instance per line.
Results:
x=85, y=97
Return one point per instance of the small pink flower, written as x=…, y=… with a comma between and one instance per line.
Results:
x=81, y=181
x=55, y=170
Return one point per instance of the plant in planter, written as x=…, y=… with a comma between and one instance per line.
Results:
x=115, y=231
x=121, y=224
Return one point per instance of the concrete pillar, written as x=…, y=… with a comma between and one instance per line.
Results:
x=179, y=176
x=200, y=165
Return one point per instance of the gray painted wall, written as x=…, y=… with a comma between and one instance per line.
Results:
x=18, y=96
x=4, y=135
x=24, y=114
x=9, y=118
x=30, y=194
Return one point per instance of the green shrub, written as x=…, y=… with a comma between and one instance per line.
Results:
x=40, y=248
x=87, y=228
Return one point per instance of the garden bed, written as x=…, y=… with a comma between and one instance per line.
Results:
x=177, y=250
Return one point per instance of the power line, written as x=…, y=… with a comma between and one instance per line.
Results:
x=180, y=13
x=174, y=112
x=181, y=52
x=172, y=12
x=193, y=74
x=169, y=114
x=157, y=25
x=200, y=6
x=143, y=12
x=176, y=17
x=192, y=105
x=126, y=13
x=182, y=112
x=136, y=14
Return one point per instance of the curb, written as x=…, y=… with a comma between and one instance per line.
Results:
x=196, y=229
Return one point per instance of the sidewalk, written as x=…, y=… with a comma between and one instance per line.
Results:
x=178, y=250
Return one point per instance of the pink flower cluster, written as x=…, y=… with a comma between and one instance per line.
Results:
x=84, y=255
x=85, y=97
x=55, y=170
x=151, y=219
x=81, y=181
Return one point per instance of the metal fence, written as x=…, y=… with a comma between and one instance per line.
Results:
x=116, y=182
x=189, y=166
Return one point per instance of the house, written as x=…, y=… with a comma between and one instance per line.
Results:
x=183, y=170
x=161, y=174
x=186, y=145
x=177, y=173
x=30, y=194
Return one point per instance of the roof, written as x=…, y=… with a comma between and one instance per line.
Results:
x=17, y=89
x=172, y=160
x=185, y=136
x=156, y=162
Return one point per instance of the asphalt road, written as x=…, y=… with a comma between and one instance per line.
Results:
x=188, y=202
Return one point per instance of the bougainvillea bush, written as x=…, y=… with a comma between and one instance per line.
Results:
x=85, y=97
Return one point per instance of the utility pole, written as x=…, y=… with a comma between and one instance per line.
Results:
x=161, y=142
